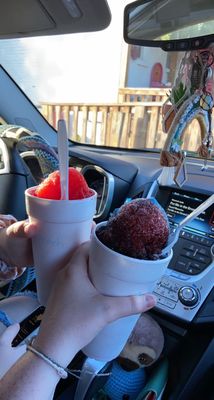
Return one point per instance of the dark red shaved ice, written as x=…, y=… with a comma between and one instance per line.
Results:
x=50, y=187
x=139, y=230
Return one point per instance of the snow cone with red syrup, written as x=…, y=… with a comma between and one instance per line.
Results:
x=125, y=259
x=63, y=224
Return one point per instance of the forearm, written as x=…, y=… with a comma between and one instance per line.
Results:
x=33, y=376
x=30, y=378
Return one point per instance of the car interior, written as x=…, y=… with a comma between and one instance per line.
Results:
x=185, y=294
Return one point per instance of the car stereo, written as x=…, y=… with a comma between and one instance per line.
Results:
x=190, y=275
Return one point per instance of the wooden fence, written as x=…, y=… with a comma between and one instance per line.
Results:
x=135, y=121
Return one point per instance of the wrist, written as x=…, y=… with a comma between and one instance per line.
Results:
x=61, y=371
x=42, y=366
x=55, y=348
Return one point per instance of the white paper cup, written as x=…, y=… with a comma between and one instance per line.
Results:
x=117, y=275
x=63, y=225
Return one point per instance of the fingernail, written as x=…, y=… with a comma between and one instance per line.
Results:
x=150, y=300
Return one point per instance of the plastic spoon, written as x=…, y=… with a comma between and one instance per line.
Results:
x=175, y=234
x=62, y=142
x=90, y=370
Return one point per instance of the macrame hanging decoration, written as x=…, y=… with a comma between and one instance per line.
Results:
x=190, y=98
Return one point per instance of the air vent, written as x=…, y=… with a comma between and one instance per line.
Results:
x=103, y=183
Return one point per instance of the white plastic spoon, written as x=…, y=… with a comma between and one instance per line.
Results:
x=62, y=143
x=90, y=370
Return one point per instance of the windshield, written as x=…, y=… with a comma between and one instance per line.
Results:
x=110, y=93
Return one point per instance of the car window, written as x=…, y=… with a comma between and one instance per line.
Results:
x=110, y=93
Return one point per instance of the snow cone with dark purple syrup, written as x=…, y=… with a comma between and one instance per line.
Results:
x=125, y=259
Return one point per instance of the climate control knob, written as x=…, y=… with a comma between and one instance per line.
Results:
x=188, y=296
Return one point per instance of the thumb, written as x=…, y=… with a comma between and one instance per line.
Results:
x=9, y=334
x=129, y=305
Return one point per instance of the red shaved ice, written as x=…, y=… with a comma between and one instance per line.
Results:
x=50, y=187
x=140, y=229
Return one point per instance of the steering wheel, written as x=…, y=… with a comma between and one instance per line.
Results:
x=25, y=159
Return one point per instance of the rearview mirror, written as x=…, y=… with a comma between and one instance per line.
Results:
x=170, y=24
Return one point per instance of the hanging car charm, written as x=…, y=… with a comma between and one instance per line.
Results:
x=191, y=98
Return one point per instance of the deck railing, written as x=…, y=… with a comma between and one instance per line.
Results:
x=135, y=121
x=142, y=94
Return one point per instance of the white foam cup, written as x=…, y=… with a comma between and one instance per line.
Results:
x=117, y=275
x=63, y=225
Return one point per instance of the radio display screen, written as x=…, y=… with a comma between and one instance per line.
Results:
x=178, y=204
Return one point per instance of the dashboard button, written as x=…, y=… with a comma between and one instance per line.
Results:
x=204, y=251
x=191, y=247
x=196, y=265
x=185, y=234
x=187, y=253
x=188, y=295
x=208, y=242
x=166, y=302
x=201, y=258
x=182, y=264
x=193, y=270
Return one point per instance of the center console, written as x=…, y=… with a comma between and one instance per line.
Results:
x=182, y=293
x=189, y=277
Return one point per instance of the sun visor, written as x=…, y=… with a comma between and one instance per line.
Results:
x=25, y=18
